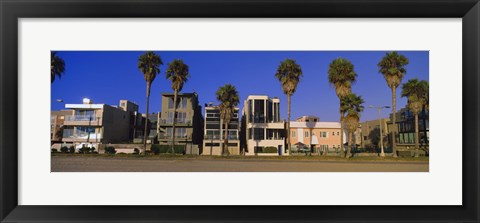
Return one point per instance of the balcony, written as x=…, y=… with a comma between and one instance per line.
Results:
x=70, y=135
x=179, y=121
x=89, y=120
x=217, y=137
x=178, y=137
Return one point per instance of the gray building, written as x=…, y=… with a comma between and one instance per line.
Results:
x=189, y=121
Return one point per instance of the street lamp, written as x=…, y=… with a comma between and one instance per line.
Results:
x=379, y=109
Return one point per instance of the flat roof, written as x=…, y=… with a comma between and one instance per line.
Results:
x=179, y=94
x=95, y=106
x=333, y=125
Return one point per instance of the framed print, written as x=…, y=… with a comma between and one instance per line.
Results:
x=265, y=111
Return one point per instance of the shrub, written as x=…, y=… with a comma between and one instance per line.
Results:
x=54, y=150
x=157, y=149
x=64, y=149
x=270, y=149
x=136, y=151
x=92, y=150
x=110, y=150
x=71, y=149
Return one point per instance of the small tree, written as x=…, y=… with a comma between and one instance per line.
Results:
x=228, y=97
x=352, y=106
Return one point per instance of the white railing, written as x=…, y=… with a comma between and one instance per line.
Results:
x=81, y=118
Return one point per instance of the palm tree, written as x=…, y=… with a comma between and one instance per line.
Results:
x=228, y=97
x=392, y=67
x=57, y=66
x=149, y=64
x=341, y=75
x=352, y=106
x=417, y=94
x=178, y=74
x=289, y=74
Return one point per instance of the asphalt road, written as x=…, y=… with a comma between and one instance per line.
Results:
x=112, y=164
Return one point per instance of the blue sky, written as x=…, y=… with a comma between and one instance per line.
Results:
x=109, y=76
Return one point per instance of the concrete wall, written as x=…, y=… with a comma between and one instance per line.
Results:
x=116, y=125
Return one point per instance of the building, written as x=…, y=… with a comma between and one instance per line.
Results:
x=308, y=134
x=405, y=137
x=189, y=121
x=264, y=131
x=57, y=119
x=214, y=138
x=101, y=124
x=371, y=134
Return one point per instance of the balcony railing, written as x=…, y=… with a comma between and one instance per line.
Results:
x=178, y=121
x=81, y=118
x=177, y=136
x=217, y=137
x=69, y=133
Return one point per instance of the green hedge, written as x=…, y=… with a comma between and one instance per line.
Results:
x=270, y=149
x=110, y=150
x=156, y=149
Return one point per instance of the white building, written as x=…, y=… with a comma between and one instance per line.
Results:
x=264, y=131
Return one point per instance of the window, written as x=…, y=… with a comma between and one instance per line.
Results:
x=181, y=117
x=259, y=111
x=184, y=102
x=293, y=134
x=333, y=133
x=324, y=134
x=170, y=102
x=364, y=138
x=258, y=134
x=123, y=104
x=170, y=118
x=306, y=134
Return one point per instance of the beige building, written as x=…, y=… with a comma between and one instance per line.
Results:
x=308, y=134
x=101, y=124
x=189, y=122
x=215, y=134
x=264, y=130
x=57, y=119
x=371, y=133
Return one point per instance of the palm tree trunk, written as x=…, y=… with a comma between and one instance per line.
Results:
x=341, y=134
x=394, y=124
x=288, y=125
x=416, y=135
x=222, y=146
x=226, y=138
x=349, y=148
x=146, y=120
x=174, y=120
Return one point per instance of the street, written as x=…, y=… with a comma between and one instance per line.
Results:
x=125, y=164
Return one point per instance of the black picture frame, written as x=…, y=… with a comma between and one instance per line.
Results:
x=11, y=11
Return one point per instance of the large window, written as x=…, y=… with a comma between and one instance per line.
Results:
x=258, y=134
x=179, y=132
x=259, y=111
